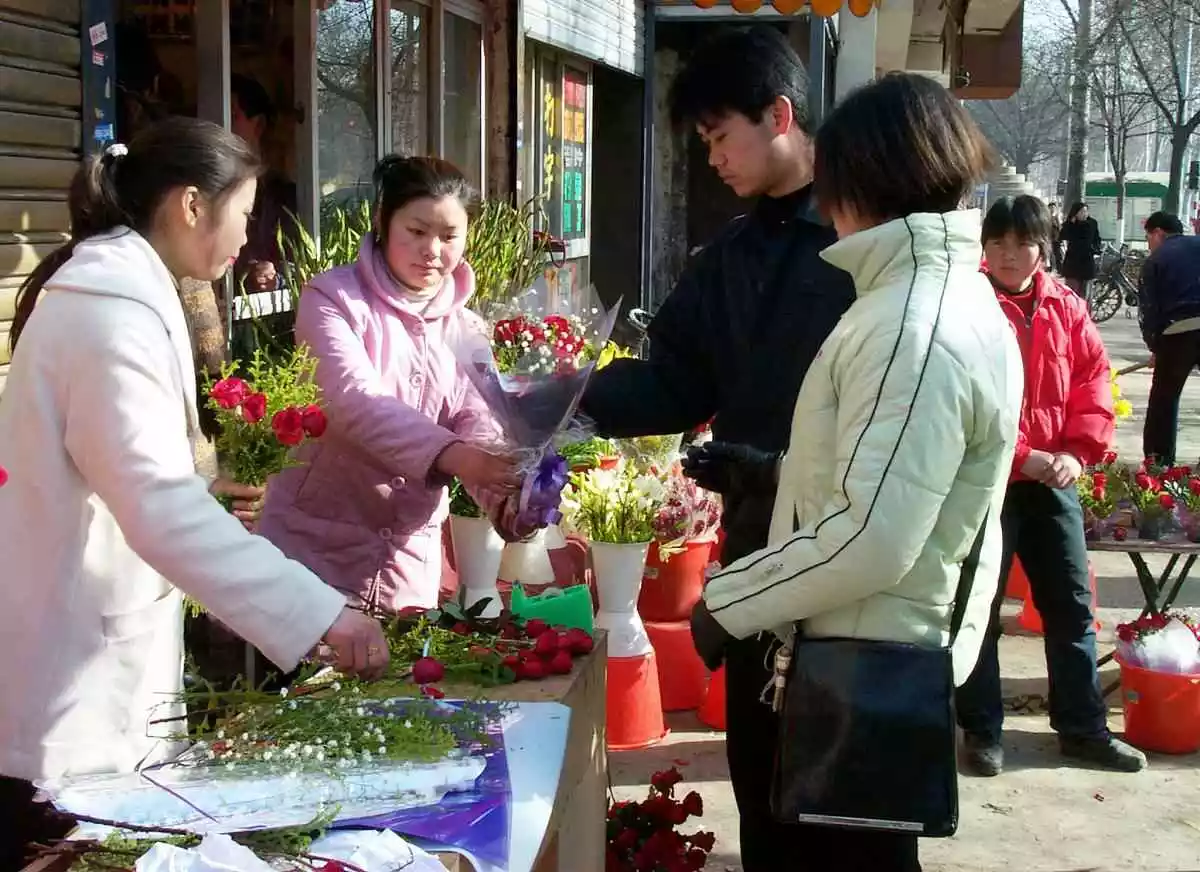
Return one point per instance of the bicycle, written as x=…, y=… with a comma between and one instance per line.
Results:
x=1113, y=287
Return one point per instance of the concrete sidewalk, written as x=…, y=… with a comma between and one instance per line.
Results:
x=1040, y=816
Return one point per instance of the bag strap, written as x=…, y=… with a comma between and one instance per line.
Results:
x=966, y=578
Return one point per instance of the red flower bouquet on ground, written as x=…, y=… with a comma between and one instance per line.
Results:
x=265, y=415
x=1168, y=642
x=642, y=836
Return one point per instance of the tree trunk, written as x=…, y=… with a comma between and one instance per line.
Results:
x=1179, y=145
x=207, y=325
x=1080, y=107
x=1119, y=177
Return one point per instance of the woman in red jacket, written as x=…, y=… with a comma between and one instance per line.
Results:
x=1066, y=422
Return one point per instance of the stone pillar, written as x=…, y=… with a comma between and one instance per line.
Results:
x=856, y=52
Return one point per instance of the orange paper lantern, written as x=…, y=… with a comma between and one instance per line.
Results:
x=787, y=7
x=746, y=5
x=860, y=8
x=826, y=8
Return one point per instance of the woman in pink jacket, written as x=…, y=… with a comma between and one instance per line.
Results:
x=365, y=506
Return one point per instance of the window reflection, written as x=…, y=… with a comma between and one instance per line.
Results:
x=410, y=90
x=462, y=112
x=346, y=120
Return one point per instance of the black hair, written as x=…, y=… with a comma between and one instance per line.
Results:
x=896, y=147
x=742, y=70
x=1075, y=210
x=400, y=180
x=1164, y=221
x=252, y=97
x=1026, y=216
x=124, y=187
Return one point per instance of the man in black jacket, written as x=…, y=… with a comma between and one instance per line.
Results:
x=732, y=343
x=1169, y=309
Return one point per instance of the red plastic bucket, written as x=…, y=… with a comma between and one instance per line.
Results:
x=1030, y=618
x=672, y=587
x=682, y=678
x=1162, y=710
x=634, y=718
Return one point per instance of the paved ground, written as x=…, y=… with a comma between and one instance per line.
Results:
x=1040, y=816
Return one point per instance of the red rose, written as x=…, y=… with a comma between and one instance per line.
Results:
x=288, y=425
x=1175, y=473
x=1120, y=534
x=1110, y=457
x=560, y=325
x=693, y=804
x=1184, y=471
x=666, y=780
x=1098, y=494
x=229, y=392
x=431, y=692
x=1166, y=501
x=254, y=407
x=1126, y=633
x=1099, y=479
x=627, y=840
x=504, y=331
x=1194, y=485
x=314, y=421
x=3, y=476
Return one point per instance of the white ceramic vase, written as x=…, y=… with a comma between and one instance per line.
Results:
x=478, y=550
x=527, y=562
x=619, y=570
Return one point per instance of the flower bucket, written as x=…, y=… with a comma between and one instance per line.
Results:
x=1188, y=522
x=618, y=569
x=478, y=550
x=1154, y=527
x=527, y=562
x=682, y=677
x=712, y=712
x=1162, y=710
x=634, y=715
x=672, y=587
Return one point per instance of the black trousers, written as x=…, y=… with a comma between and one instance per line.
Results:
x=1044, y=526
x=767, y=845
x=1175, y=356
x=23, y=822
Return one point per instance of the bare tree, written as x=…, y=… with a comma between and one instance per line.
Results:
x=1158, y=35
x=1030, y=126
x=1124, y=114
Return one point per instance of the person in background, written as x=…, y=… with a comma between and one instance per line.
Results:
x=732, y=344
x=1080, y=235
x=1066, y=423
x=365, y=505
x=251, y=115
x=103, y=521
x=1055, y=262
x=1169, y=311
x=904, y=428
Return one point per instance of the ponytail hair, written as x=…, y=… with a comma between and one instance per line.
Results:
x=400, y=180
x=123, y=187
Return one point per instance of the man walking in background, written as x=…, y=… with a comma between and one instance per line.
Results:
x=732, y=343
x=1169, y=310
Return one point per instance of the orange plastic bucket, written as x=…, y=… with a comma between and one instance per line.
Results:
x=672, y=587
x=1162, y=710
x=712, y=712
x=1030, y=618
x=1017, y=584
x=682, y=678
x=635, y=715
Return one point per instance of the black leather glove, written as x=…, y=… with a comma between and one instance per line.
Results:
x=726, y=467
x=709, y=637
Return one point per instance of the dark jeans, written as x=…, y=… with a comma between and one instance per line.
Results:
x=766, y=844
x=22, y=821
x=1044, y=526
x=1175, y=356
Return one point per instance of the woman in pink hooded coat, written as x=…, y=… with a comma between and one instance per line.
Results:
x=365, y=506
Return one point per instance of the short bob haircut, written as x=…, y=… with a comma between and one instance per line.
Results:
x=1027, y=217
x=899, y=146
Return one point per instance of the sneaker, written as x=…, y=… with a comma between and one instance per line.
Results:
x=982, y=756
x=1106, y=751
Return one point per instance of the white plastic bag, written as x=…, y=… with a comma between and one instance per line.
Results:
x=217, y=853
x=1173, y=649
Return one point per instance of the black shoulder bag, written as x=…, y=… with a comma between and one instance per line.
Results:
x=867, y=733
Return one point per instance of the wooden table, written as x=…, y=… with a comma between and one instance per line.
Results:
x=1158, y=592
x=577, y=821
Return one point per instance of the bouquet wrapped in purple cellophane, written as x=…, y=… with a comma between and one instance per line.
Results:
x=530, y=362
